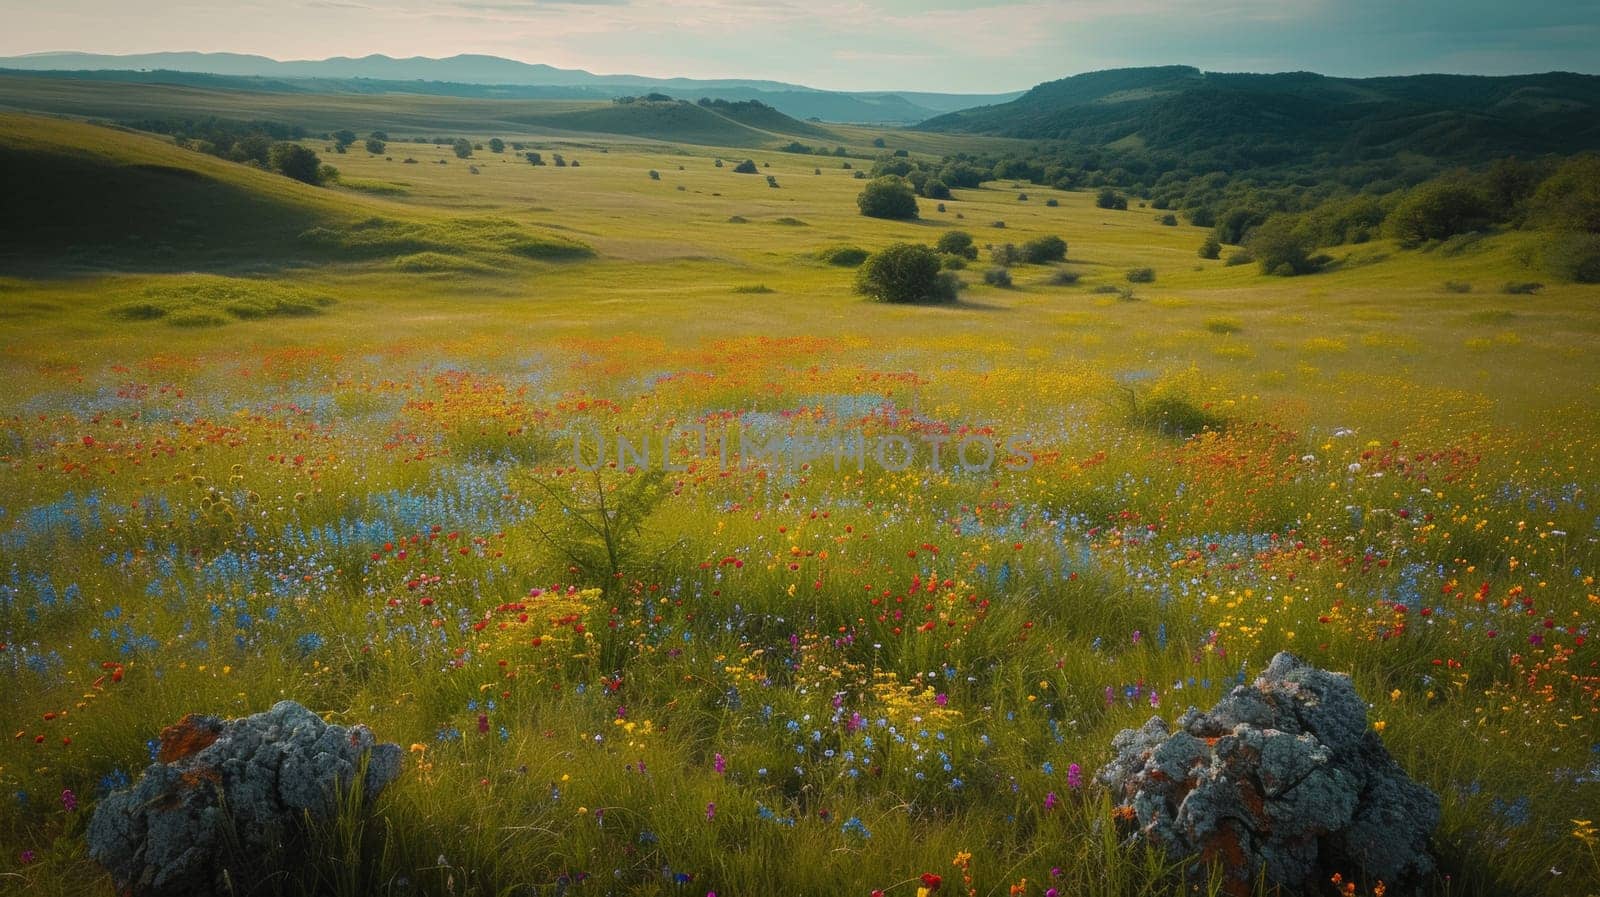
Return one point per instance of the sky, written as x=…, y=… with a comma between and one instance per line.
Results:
x=939, y=45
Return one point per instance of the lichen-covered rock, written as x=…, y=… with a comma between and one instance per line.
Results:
x=223, y=795
x=1282, y=776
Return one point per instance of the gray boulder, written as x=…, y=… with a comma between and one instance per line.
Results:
x=1282, y=777
x=224, y=796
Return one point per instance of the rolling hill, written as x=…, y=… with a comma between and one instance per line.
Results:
x=1298, y=114
x=487, y=76
x=86, y=197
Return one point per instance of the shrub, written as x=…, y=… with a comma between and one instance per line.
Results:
x=462, y=148
x=843, y=256
x=1282, y=246
x=1168, y=413
x=1044, y=250
x=748, y=166
x=1570, y=198
x=1238, y=257
x=957, y=242
x=297, y=162
x=1210, y=249
x=772, y=181
x=1062, y=278
x=496, y=145
x=1456, y=286
x=1437, y=210
x=953, y=263
x=1224, y=325
x=940, y=207
x=1521, y=288
x=935, y=189
x=1052, y=202
x=1574, y=257
x=1108, y=198
x=1169, y=220
x=753, y=288
x=655, y=175
x=999, y=224
x=903, y=272
x=535, y=158
x=859, y=175
x=1141, y=275
x=375, y=146
x=1005, y=254
x=888, y=197
x=1022, y=197
x=997, y=277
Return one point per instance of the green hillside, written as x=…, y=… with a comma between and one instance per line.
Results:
x=88, y=197
x=1249, y=119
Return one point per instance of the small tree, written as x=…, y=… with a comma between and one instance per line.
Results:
x=534, y=158
x=1005, y=254
x=888, y=197
x=1437, y=210
x=463, y=148
x=1108, y=198
x=296, y=161
x=655, y=175
x=934, y=188
x=1282, y=245
x=496, y=145
x=1044, y=250
x=957, y=242
x=558, y=160
x=375, y=146
x=1210, y=249
x=748, y=166
x=905, y=272
x=343, y=138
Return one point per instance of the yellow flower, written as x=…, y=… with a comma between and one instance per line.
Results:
x=1380, y=725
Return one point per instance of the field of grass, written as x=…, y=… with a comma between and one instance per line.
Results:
x=327, y=454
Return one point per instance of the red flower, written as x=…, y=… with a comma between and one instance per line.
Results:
x=931, y=881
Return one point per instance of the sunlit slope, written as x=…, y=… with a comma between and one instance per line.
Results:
x=83, y=196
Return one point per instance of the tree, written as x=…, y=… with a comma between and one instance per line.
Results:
x=1570, y=198
x=344, y=137
x=934, y=188
x=888, y=197
x=496, y=145
x=463, y=148
x=1044, y=250
x=655, y=175
x=1282, y=245
x=878, y=142
x=1211, y=249
x=534, y=158
x=1436, y=210
x=1108, y=198
x=296, y=161
x=379, y=135
x=905, y=272
x=748, y=166
x=957, y=242
x=376, y=146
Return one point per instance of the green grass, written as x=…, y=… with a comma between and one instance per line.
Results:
x=226, y=488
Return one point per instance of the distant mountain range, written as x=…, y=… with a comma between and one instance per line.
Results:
x=1296, y=115
x=492, y=76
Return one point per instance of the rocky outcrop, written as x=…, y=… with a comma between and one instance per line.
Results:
x=226, y=796
x=1281, y=777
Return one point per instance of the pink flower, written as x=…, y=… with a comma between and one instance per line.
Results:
x=27, y=856
x=483, y=723
x=1074, y=776
x=1050, y=800
x=941, y=699
x=69, y=800
x=711, y=811
x=719, y=764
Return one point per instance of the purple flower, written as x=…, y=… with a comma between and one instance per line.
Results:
x=69, y=800
x=1074, y=776
x=27, y=856
x=1050, y=800
x=711, y=811
x=719, y=764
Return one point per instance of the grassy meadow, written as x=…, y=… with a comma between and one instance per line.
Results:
x=316, y=443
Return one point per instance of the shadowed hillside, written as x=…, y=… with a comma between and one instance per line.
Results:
x=80, y=196
x=1264, y=119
